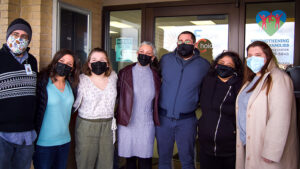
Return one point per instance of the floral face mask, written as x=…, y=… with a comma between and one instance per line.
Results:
x=17, y=45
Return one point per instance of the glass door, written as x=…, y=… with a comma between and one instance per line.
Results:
x=215, y=27
x=211, y=33
x=124, y=37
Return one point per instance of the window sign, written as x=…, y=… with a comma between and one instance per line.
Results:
x=124, y=50
x=274, y=25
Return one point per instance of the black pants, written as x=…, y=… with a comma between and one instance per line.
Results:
x=212, y=162
x=143, y=163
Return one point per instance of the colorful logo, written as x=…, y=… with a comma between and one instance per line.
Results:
x=270, y=22
x=206, y=49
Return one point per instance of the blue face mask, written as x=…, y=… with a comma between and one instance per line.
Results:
x=255, y=63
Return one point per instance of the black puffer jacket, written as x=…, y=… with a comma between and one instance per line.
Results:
x=216, y=127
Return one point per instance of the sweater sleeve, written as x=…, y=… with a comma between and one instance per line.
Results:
x=280, y=101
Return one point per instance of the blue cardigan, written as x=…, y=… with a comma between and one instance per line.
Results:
x=181, y=81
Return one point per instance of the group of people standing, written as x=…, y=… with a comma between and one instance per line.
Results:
x=248, y=110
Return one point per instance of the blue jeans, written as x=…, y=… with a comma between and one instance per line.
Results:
x=13, y=156
x=183, y=131
x=51, y=157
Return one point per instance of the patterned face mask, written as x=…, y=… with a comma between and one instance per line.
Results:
x=17, y=45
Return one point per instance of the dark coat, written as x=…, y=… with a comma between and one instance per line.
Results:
x=216, y=128
x=42, y=100
x=125, y=95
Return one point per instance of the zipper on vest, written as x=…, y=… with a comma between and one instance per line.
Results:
x=217, y=127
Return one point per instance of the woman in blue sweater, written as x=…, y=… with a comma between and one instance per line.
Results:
x=216, y=129
x=55, y=99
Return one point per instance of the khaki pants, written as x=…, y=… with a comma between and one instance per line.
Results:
x=94, y=147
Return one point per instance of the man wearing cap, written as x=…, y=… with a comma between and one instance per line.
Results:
x=18, y=71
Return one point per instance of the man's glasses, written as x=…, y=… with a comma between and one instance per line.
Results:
x=16, y=35
x=188, y=42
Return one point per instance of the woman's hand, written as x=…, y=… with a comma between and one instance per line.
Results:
x=267, y=160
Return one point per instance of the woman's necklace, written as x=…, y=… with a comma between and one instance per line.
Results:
x=61, y=90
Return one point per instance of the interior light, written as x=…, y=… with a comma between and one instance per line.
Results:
x=207, y=22
x=166, y=27
x=119, y=24
x=113, y=32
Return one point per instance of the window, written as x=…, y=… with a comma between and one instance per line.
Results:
x=273, y=23
x=124, y=37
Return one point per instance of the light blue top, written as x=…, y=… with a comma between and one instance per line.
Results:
x=242, y=109
x=55, y=126
x=25, y=137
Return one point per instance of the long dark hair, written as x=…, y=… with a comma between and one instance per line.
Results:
x=86, y=69
x=235, y=58
x=73, y=77
x=249, y=75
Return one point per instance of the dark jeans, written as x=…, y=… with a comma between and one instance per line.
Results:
x=143, y=163
x=51, y=157
x=183, y=131
x=13, y=156
x=212, y=162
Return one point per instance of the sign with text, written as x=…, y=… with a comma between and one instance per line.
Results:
x=272, y=28
x=124, y=50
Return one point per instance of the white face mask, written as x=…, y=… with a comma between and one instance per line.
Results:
x=17, y=45
x=255, y=63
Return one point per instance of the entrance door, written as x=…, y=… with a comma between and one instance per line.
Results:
x=215, y=27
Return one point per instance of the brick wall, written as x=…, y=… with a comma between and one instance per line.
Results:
x=46, y=33
x=9, y=10
x=31, y=12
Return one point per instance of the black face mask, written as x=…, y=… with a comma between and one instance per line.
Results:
x=185, y=50
x=224, y=71
x=62, y=69
x=144, y=59
x=99, y=67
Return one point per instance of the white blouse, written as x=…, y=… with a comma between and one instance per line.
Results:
x=94, y=103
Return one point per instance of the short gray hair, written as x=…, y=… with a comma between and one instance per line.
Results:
x=150, y=44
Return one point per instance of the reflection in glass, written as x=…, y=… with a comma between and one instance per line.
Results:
x=211, y=33
x=125, y=35
x=273, y=23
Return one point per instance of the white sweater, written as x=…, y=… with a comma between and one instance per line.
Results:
x=94, y=103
